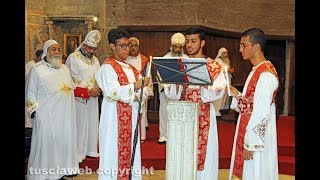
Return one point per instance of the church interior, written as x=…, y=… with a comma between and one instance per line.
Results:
x=153, y=23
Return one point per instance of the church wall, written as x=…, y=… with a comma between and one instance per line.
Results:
x=275, y=17
x=225, y=19
x=37, y=31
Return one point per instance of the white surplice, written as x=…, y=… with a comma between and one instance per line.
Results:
x=53, y=144
x=107, y=80
x=83, y=72
x=211, y=165
x=264, y=165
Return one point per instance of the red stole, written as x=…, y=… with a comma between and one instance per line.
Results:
x=144, y=62
x=193, y=95
x=245, y=104
x=124, y=112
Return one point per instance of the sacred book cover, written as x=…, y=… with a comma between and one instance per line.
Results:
x=82, y=92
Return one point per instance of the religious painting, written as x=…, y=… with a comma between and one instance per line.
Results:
x=71, y=42
x=39, y=39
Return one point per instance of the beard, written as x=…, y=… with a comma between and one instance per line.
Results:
x=55, y=60
x=226, y=60
x=87, y=54
x=176, y=53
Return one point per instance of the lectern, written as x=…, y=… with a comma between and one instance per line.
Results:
x=182, y=125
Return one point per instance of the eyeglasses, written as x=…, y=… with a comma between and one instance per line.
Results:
x=244, y=45
x=123, y=46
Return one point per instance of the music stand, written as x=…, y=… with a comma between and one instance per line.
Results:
x=181, y=70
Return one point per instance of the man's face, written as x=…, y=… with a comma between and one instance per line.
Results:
x=176, y=49
x=193, y=44
x=134, y=48
x=224, y=55
x=38, y=58
x=246, y=48
x=54, y=57
x=121, y=48
x=88, y=51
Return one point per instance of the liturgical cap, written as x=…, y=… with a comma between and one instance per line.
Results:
x=134, y=39
x=47, y=44
x=178, y=38
x=92, y=38
x=221, y=50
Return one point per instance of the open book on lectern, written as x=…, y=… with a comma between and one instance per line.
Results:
x=181, y=70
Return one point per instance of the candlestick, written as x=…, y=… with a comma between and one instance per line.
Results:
x=149, y=70
x=227, y=77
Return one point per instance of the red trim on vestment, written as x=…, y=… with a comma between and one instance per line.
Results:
x=144, y=62
x=124, y=114
x=245, y=104
x=194, y=95
x=214, y=68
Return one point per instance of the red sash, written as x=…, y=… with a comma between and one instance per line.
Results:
x=214, y=68
x=124, y=112
x=193, y=95
x=144, y=62
x=245, y=104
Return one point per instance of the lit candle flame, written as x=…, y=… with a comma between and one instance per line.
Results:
x=149, y=70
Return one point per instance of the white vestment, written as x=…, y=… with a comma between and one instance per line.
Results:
x=224, y=101
x=83, y=72
x=53, y=145
x=28, y=66
x=107, y=79
x=136, y=62
x=163, y=116
x=211, y=165
x=264, y=165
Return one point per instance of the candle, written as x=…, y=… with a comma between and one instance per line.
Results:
x=227, y=77
x=149, y=70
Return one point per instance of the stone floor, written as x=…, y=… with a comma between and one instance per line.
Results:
x=160, y=175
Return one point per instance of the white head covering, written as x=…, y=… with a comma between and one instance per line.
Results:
x=92, y=39
x=47, y=44
x=178, y=38
x=221, y=50
x=135, y=39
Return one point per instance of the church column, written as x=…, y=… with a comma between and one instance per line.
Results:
x=50, y=26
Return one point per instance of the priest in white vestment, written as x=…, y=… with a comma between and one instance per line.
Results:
x=224, y=102
x=207, y=159
x=50, y=98
x=120, y=83
x=142, y=64
x=83, y=65
x=176, y=50
x=254, y=153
